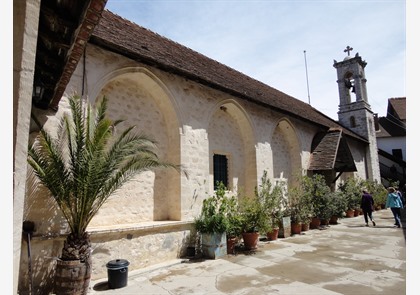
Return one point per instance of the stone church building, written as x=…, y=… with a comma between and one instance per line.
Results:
x=213, y=120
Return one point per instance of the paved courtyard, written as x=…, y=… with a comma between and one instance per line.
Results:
x=347, y=258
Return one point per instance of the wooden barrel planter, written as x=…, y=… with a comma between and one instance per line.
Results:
x=72, y=277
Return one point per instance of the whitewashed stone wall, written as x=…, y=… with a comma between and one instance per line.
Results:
x=147, y=221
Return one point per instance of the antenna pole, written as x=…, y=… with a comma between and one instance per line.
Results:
x=307, y=81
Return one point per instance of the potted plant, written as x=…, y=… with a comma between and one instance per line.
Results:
x=351, y=188
x=213, y=223
x=255, y=221
x=234, y=223
x=320, y=197
x=285, y=230
x=81, y=166
x=300, y=200
x=339, y=206
x=271, y=198
x=326, y=208
x=378, y=192
x=300, y=207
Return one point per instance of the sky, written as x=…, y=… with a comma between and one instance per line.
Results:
x=289, y=45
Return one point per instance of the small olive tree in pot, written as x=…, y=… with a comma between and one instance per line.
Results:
x=272, y=198
x=255, y=221
x=213, y=222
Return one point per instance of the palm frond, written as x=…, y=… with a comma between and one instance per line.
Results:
x=87, y=161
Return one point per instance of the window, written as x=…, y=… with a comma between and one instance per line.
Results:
x=352, y=122
x=397, y=153
x=220, y=170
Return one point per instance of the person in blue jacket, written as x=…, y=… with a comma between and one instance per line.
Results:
x=394, y=202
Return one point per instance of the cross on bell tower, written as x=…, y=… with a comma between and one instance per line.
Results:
x=348, y=49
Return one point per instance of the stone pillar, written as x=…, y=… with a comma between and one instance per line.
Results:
x=25, y=32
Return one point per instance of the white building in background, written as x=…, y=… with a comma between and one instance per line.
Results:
x=391, y=138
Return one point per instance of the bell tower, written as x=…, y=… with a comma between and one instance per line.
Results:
x=354, y=110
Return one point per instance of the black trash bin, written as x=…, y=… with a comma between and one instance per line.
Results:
x=117, y=273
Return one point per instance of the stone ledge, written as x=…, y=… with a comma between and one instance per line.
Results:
x=139, y=228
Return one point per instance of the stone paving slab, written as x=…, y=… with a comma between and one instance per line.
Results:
x=347, y=258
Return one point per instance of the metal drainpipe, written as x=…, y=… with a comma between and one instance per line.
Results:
x=28, y=229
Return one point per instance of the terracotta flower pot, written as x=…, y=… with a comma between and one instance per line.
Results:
x=231, y=243
x=315, y=223
x=325, y=221
x=273, y=235
x=251, y=240
x=296, y=228
x=305, y=226
x=350, y=213
x=334, y=219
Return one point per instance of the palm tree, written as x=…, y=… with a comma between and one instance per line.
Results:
x=85, y=164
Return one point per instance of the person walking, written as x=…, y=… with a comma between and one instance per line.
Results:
x=367, y=207
x=400, y=195
x=394, y=202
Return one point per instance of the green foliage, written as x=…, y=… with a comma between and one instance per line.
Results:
x=272, y=198
x=321, y=196
x=338, y=203
x=377, y=190
x=85, y=162
x=234, y=218
x=216, y=213
x=311, y=197
x=300, y=207
x=352, y=189
x=254, y=216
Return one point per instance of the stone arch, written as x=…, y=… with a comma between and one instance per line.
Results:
x=230, y=133
x=286, y=149
x=349, y=83
x=140, y=98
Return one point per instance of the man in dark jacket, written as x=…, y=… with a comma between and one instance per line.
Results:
x=367, y=207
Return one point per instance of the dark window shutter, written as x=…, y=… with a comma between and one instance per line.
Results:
x=220, y=170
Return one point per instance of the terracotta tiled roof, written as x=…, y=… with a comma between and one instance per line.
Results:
x=394, y=122
x=390, y=128
x=119, y=35
x=332, y=152
x=396, y=108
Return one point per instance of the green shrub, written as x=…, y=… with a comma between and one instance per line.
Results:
x=271, y=198
x=352, y=189
x=213, y=217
